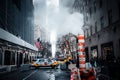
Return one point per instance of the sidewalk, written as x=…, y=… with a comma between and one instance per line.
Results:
x=7, y=68
x=11, y=68
x=4, y=70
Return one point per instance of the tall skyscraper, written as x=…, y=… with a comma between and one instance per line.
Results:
x=17, y=18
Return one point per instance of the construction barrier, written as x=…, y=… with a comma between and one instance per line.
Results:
x=88, y=74
x=81, y=51
x=74, y=74
x=82, y=73
x=82, y=62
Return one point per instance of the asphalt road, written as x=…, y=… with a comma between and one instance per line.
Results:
x=37, y=74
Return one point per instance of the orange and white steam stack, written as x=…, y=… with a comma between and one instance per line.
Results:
x=81, y=52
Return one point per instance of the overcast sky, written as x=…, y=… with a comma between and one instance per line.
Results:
x=54, y=16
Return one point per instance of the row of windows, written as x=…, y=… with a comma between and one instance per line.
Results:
x=102, y=22
x=85, y=3
x=96, y=26
x=0, y=56
x=76, y=4
x=18, y=25
x=90, y=11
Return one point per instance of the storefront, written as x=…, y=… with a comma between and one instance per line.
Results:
x=94, y=51
x=1, y=56
x=19, y=58
x=107, y=51
x=9, y=57
x=119, y=45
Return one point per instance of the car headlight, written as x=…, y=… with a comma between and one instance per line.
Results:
x=55, y=62
x=35, y=64
x=65, y=60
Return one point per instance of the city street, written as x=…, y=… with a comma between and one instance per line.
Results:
x=59, y=39
x=37, y=74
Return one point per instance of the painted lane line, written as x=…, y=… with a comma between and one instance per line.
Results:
x=29, y=75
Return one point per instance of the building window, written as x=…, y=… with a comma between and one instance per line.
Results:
x=102, y=22
x=87, y=17
x=94, y=51
x=17, y=3
x=95, y=6
x=89, y=1
x=119, y=9
x=7, y=57
x=87, y=33
x=90, y=11
x=83, y=8
x=91, y=30
x=107, y=50
x=100, y=3
x=96, y=27
x=86, y=2
x=110, y=16
x=0, y=57
x=119, y=43
x=12, y=58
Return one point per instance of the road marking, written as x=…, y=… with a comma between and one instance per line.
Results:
x=52, y=76
x=29, y=75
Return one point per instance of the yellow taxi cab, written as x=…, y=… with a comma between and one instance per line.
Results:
x=44, y=63
x=55, y=63
x=69, y=58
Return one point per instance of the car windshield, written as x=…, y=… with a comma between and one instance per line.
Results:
x=41, y=60
x=49, y=60
x=34, y=60
x=54, y=59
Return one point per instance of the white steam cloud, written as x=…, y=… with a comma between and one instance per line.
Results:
x=61, y=21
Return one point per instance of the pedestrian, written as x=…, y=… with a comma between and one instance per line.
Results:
x=77, y=63
x=67, y=63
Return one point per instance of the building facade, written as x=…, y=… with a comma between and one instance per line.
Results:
x=16, y=34
x=40, y=12
x=101, y=27
x=40, y=33
x=17, y=18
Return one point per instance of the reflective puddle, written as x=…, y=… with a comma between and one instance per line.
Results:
x=52, y=77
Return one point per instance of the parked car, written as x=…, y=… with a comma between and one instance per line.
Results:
x=64, y=60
